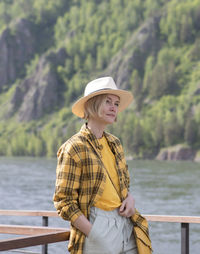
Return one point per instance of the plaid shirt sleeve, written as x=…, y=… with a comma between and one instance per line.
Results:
x=68, y=174
x=141, y=232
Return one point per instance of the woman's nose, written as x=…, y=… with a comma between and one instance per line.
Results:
x=113, y=108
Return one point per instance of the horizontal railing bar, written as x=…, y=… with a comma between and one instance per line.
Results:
x=28, y=213
x=33, y=240
x=173, y=218
x=25, y=251
x=28, y=230
x=159, y=218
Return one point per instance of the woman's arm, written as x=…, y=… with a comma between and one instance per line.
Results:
x=66, y=193
x=83, y=224
x=68, y=175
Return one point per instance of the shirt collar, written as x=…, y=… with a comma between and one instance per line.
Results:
x=87, y=132
x=89, y=135
x=92, y=138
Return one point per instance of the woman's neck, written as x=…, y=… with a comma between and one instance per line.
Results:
x=96, y=128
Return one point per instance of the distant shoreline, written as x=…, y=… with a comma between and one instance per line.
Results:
x=180, y=152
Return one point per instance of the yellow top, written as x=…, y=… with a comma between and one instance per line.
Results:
x=109, y=199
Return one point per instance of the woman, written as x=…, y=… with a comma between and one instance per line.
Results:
x=92, y=185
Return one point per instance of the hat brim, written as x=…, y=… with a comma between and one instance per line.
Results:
x=126, y=98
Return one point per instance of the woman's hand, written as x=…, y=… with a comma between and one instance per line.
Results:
x=127, y=208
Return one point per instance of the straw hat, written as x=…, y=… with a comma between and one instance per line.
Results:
x=105, y=85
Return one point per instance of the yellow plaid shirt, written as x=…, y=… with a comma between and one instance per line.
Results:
x=80, y=180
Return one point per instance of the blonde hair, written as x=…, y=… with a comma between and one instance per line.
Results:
x=92, y=107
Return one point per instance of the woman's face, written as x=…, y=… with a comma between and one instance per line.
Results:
x=109, y=109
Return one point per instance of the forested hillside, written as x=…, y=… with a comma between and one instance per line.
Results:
x=50, y=49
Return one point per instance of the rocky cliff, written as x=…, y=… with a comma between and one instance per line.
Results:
x=177, y=152
x=17, y=47
x=41, y=92
x=135, y=52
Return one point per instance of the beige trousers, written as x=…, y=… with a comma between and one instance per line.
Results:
x=110, y=234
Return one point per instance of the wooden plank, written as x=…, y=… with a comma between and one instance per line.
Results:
x=169, y=218
x=28, y=213
x=28, y=230
x=23, y=242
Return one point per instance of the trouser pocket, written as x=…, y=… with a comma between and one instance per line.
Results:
x=105, y=236
x=98, y=241
x=110, y=233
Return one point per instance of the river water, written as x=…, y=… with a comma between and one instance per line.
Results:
x=161, y=188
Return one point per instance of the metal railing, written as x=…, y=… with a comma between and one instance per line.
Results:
x=44, y=235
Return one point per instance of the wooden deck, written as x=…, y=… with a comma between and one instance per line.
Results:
x=36, y=236
x=32, y=235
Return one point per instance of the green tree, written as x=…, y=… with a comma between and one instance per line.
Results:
x=186, y=31
x=137, y=139
x=173, y=131
x=77, y=62
x=159, y=134
x=137, y=89
x=89, y=64
x=148, y=73
x=5, y=16
x=3, y=147
x=18, y=144
x=35, y=146
x=164, y=80
x=126, y=131
x=100, y=62
x=191, y=131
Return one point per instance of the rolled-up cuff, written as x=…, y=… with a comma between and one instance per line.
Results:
x=75, y=216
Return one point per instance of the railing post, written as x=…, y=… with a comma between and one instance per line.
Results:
x=184, y=238
x=45, y=224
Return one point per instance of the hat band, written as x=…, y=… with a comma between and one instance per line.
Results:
x=101, y=90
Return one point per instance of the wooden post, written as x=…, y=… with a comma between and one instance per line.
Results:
x=45, y=224
x=184, y=238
